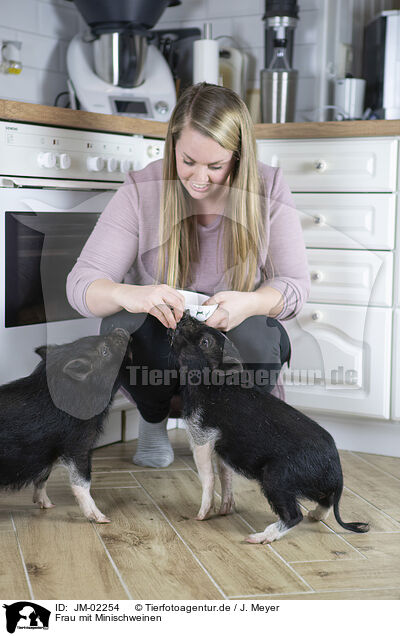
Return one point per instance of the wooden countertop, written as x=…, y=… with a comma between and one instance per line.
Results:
x=64, y=117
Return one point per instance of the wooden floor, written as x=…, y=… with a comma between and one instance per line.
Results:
x=154, y=549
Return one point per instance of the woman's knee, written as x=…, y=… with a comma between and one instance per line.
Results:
x=261, y=340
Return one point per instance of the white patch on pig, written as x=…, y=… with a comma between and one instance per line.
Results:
x=81, y=490
x=199, y=434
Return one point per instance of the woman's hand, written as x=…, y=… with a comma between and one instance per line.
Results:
x=233, y=308
x=161, y=301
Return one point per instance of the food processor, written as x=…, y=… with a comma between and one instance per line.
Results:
x=112, y=68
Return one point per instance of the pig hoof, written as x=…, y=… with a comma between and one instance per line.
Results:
x=43, y=503
x=319, y=514
x=99, y=518
x=259, y=537
x=203, y=514
x=227, y=507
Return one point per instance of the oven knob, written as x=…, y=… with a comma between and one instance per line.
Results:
x=154, y=151
x=112, y=164
x=125, y=166
x=95, y=164
x=63, y=161
x=46, y=159
x=162, y=107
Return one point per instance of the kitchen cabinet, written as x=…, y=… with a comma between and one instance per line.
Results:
x=342, y=369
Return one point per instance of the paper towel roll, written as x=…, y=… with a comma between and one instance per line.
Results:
x=205, y=61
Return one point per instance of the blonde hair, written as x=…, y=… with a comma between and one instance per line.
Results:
x=220, y=114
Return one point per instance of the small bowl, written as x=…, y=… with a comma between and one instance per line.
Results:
x=201, y=312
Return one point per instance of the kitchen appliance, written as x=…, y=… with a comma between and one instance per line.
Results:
x=233, y=69
x=381, y=65
x=176, y=45
x=278, y=81
x=55, y=183
x=153, y=99
x=349, y=98
x=112, y=69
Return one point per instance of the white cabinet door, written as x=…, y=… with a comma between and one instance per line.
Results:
x=353, y=221
x=352, y=277
x=395, y=366
x=340, y=360
x=336, y=165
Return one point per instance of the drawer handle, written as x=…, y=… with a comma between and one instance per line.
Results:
x=317, y=315
x=320, y=165
x=316, y=276
x=319, y=219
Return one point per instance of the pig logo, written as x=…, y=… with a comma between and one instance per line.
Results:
x=26, y=615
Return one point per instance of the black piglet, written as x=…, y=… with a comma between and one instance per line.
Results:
x=253, y=433
x=57, y=413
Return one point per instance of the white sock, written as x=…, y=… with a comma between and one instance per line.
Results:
x=154, y=448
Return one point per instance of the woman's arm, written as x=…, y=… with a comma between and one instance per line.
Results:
x=106, y=257
x=268, y=301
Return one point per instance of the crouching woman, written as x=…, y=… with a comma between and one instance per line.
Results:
x=208, y=217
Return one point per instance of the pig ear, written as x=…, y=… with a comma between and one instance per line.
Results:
x=231, y=359
x=231, y=364
x=78, y=369
x=42, y=351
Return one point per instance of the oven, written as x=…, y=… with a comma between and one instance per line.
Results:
x=55, y=183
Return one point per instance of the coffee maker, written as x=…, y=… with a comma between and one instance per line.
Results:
x=112, y=68
x=381, y=65
x=278, y=80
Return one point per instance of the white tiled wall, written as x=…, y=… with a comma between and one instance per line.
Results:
x=44, y=27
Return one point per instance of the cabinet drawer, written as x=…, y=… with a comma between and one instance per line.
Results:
x=395, y=366
x=337, y=165
x=352, y=277
x=354, y=221
x=340, y=360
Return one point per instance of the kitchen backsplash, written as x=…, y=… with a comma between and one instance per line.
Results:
x=46, y=26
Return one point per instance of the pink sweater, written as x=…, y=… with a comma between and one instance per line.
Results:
x=123, y=246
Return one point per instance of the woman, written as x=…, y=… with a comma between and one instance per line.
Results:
x=209, y=218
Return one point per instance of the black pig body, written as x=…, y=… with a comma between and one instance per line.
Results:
x=254, y=433
x=57, y=413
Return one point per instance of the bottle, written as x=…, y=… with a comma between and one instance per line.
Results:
x=278, y=85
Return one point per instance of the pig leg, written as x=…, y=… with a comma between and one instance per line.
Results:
x=203, y=459
x=39, y=494
x=225, y=477
x=79, y=476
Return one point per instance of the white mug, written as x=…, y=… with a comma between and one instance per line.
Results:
x=349, y=98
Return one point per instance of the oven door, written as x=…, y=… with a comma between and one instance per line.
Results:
x=42, y=233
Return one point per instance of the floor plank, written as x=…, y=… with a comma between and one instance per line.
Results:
x=13, y=583
x=63, y=555
x=340, y=595
x=370, y=483
x=377, y=545
x=344, y=575
x=238, y=567
x=388, y=464
x=152, y=559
